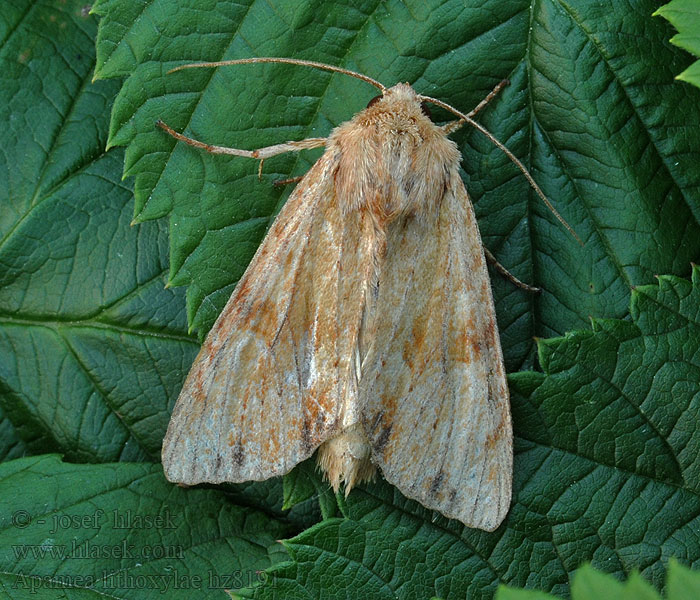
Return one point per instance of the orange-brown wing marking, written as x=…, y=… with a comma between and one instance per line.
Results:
x=269, y=382
x=433, y=385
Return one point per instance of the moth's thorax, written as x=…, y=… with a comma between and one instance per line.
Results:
x=394, y=160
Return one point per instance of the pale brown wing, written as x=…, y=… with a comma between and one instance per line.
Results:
x=433, y=385
x=268, y=384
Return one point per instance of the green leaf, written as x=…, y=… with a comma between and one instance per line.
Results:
x=611, y=435
x=303, y=483
x=599, y=122
x=121, y=530
x=589, y=584
x=684, y=15
x=508, y=593
x=683, y=584
x=11, y=445
x=93, y=346
x=607, y=469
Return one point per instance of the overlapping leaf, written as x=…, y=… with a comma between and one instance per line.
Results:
x=590, y=584
x=685, y=16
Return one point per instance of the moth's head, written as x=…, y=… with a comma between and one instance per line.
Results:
x=400, y=108
x=401, y=97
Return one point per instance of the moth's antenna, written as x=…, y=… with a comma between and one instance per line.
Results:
x=289, y=61
x=450, y=127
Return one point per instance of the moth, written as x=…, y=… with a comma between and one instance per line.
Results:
x=364, y=326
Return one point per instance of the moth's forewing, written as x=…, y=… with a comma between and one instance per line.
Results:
x=268, y=384
x=434, y=391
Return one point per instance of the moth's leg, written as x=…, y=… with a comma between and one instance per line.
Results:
x=260, y=153
x=282, y=182
x=507, y=274
x=454, y=125
x=491, y=95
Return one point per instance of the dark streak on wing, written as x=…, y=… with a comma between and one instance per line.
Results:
x=306, y=437
x=383, y=438
x=437, y=483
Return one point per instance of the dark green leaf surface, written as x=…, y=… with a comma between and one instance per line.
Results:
x=594, y=114
x=607, y=470
x=92, y=347
x=122, y=530
x=685, y=17
x=11, y=445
